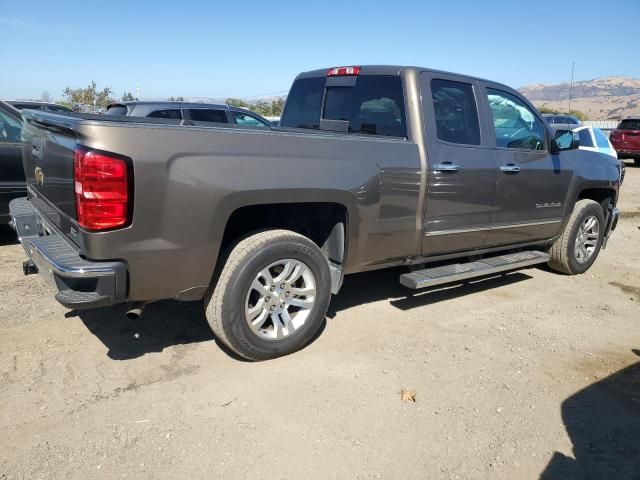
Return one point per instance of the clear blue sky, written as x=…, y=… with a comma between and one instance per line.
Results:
x=247, y=48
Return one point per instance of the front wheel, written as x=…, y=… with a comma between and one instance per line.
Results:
x=578, y=246
x=272, y=295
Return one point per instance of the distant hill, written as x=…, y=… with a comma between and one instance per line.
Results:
x=600, y=98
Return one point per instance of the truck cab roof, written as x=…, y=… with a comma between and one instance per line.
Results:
x=395, y=70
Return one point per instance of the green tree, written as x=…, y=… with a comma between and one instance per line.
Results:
x=547, y=110
x=45, y=97
x=128, y=97
x=175, y=99
x=277, y=106
x=262, y=107
x=236, y=102
x=579, y=115
x=89, y=95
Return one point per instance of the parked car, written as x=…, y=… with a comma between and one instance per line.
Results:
x=626, y=139
x=372, y=167
x=46, y=106
x=594, y=140
x=562, y=122
x=197, y=112
x=274, y=121
x=12, y=183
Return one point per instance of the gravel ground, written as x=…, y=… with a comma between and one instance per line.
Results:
x=522, y=375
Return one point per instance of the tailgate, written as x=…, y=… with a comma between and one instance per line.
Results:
x=631, y=139
x=48, y=142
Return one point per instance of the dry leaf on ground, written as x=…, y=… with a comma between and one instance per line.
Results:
x=407, y=395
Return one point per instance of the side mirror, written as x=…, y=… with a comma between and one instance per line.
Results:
x=564, y=140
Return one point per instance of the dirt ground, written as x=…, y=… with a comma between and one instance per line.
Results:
x=517, y=376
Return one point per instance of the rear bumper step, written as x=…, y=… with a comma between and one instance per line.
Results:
x=79, y=283
x=430, y=277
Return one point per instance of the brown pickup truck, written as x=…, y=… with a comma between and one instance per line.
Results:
x=372, y=167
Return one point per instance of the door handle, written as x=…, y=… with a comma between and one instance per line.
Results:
x=510, y=168
x=446, y=167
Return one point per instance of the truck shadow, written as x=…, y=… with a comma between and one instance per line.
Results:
x=167, y=323
x=603, y=423
x=163, y=325
x=378, y=285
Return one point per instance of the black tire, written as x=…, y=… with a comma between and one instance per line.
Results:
x=225, y=302
x=636, y=161
x=563, y=251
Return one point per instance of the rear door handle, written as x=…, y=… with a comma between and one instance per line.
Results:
x=510, y=168
x=446, y=167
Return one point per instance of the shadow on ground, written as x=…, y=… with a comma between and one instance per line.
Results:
x=169, y=323
x=603, y=422
x=383, y=284
x=163, y=324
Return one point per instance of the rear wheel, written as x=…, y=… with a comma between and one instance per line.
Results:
x=272, y=295
x=578, y=246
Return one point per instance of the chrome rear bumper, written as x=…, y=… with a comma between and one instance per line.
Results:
x=80, y=283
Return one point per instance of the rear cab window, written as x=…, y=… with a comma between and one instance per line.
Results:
x=369, y=105
x=629, y=125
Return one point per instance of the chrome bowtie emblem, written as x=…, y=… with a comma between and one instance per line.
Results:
x=39, y=175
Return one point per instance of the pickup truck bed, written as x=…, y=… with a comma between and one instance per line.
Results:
x=242, y=167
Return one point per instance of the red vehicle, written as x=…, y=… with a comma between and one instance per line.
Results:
x=626, y=139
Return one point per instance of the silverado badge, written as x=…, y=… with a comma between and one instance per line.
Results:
x=39, y=174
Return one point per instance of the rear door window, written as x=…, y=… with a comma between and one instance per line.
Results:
x=206, y=115
x=173, y=113
x=374, y=106
x=456, y=113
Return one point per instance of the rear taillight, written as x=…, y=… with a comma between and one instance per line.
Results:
x=343, y=72
x=101, y=183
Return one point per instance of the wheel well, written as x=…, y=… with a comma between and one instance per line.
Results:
x=601, y=195
x=323, y=223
